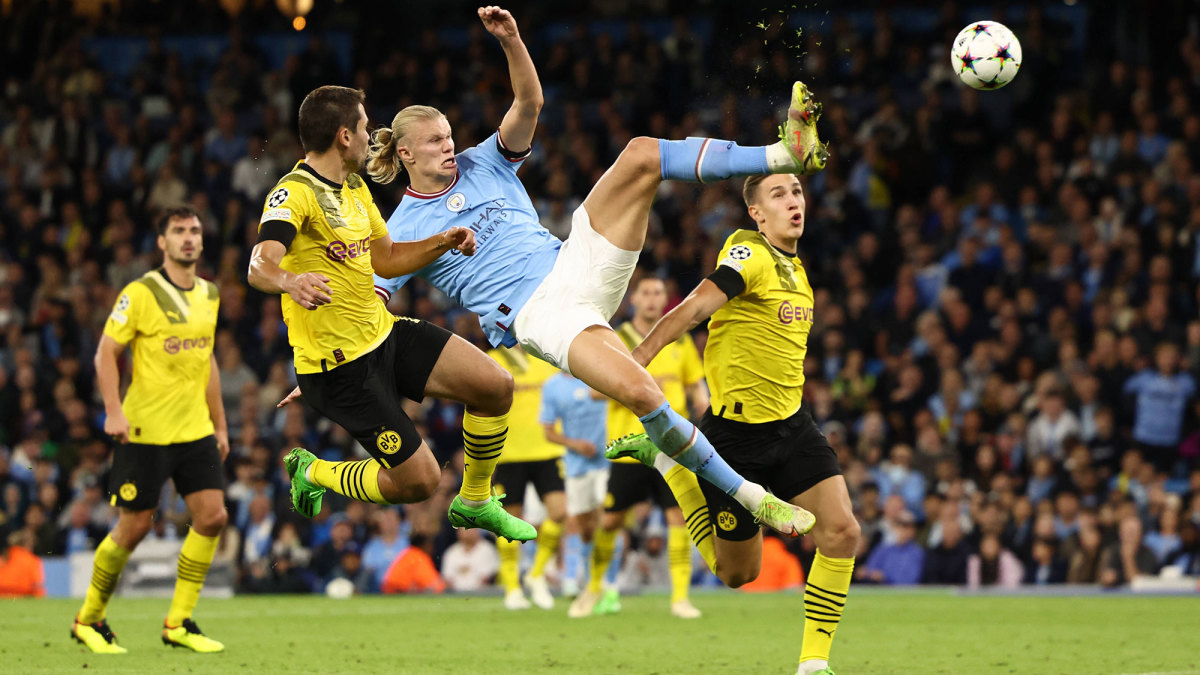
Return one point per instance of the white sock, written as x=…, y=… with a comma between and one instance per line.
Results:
x=308, y=472
x=663, y=463
x=811, y=666
x=750, y=495
x=779, y=159
x=471, y=502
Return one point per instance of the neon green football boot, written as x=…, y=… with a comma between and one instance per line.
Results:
x=799, y=132
x=638, y=446
x=188, y=635
x=610, y=603
x=492, y=517
x=306, y=496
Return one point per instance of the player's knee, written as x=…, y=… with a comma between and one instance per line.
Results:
x=211, y=522
x=138, y=525
x=840, y=536
x=423, y=488
x=642, y=395
x=738, y=576
x=496, y=397
x=641, y=156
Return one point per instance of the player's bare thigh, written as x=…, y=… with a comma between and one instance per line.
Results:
x=837, y=530
x=464, y=373
x=738, y=562
x=600, y=359
x=619, y=203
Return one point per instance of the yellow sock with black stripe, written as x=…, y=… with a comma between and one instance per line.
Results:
x=510, y=558
x=679, y=560
x=483, y=441
x=194, y=559
x=110, y=559
x=356, y=480
x=603, y=544
x=547, y=545
x=691, y=501
x=824, y=598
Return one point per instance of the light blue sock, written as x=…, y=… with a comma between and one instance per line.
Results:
x=709, y=159
x=572, y=557
x=683, y=442
x=586, y=558
x=614, y=565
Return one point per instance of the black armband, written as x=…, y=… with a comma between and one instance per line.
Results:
x=277, y=230
x=728, y=280
x=512, y=155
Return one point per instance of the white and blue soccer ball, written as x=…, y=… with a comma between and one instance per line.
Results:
x=986, y=55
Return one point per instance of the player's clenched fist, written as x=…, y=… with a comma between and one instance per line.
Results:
x=310, y=290
x=498, y=22
x=461, y=239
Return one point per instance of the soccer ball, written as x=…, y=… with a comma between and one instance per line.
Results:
x=986, y=55
x=339, y=588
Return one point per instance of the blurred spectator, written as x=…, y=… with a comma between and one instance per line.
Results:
x=1045, y=567
x=946, y=563
x=994, y=565
x=413, y=570
x=1084, y=564
x=1162, y=398
x=385, y=545
x=1127, y=557
x=21, y=571
x=900, y=562
x=470, y=563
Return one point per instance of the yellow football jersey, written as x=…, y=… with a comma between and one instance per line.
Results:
x=757, y=342
x=170, y=331
x=675, y=368
x=526, y=439
x=335, y=225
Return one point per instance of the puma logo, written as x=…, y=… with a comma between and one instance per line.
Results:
x=827, y=632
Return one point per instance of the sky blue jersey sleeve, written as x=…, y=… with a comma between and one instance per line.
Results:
x=493, y=153
x=384, y=288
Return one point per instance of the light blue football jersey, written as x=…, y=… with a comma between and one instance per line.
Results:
x=568, y=399
x=513, y=253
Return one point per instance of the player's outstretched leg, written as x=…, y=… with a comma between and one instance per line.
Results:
x=770, y=510
x=465, y=374
x=619, y=203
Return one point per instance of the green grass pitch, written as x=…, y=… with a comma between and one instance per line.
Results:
x=882, y=632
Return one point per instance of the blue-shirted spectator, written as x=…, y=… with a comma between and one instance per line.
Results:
x=900, y=562
x=389, y=540
x=1162, y=397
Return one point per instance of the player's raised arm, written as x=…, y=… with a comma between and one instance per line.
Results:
x=391, y=259
x=698, y=306
x=516, y=130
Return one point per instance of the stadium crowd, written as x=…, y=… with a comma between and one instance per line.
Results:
x=1007, y=334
